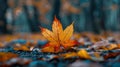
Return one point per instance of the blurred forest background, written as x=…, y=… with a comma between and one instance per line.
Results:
x=26, y=16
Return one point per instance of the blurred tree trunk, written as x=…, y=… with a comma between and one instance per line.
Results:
x=112, y=15
x=3, y=8
x=96, y=8
x=102, y=9
x=56, y=9
x=32, y=17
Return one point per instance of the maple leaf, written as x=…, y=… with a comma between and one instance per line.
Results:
x=58, y=38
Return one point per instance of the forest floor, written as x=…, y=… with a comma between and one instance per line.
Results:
x=92, y=50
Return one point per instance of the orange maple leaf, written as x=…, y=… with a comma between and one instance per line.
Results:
x=58, y=38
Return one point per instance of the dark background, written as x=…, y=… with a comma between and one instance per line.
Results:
x=26, y=16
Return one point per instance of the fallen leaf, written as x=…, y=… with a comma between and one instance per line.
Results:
x=112, y=46
x=83, y=54
x=58, y=38
x=69, y=55
x=111, y=55
x=1, y=45
x=97, y=55
x=22, y=47
x=4, y=56
x=118, y=46
x=100, y=44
